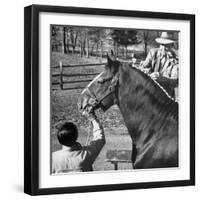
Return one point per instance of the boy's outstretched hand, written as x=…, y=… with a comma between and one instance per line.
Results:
x=89, y=113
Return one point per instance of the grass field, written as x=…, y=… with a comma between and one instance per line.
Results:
x=64, y=108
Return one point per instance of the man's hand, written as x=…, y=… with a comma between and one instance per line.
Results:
x=155, y=75
x=142, y=68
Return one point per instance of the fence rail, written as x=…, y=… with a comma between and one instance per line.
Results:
x=72, y=75
x=77, y=81
x=81, y=65
x=88, y=76
x=60, y=75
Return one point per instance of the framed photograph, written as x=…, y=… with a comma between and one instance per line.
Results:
x=109, y=99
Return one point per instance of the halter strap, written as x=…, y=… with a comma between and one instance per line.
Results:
x=110, y=90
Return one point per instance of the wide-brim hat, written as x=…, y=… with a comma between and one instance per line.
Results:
x=164, y=39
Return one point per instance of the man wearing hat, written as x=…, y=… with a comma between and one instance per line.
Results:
x=162, y=65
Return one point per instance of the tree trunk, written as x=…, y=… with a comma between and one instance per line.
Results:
x=102, y=49
x=73, y=37
x=92, y=50
x=83, y=47
x=64, y=40
x=114, y=47
x=145, y=48
x=67, y=42
x=126, y=51
x=117, y=49
x=121, y=54
x=80, y=48
x=97, y=50
x=87, y=48
x=145, y=42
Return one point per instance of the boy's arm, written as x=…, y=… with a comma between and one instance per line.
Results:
x=93, y=149
x=98, y=139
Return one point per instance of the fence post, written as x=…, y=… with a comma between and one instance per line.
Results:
x=61, y=75
x=115, y=165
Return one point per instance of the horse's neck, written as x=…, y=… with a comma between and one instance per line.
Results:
x=141, y=107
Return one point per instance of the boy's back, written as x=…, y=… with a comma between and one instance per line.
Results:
x=78, y=158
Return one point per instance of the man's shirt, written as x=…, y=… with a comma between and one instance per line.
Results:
x=78, y=158
x=167, y=67
x=156, y=62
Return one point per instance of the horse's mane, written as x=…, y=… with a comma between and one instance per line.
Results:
x=164, y=99
x=153, y=82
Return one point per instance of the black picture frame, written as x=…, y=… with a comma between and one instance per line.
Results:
x=31, y=98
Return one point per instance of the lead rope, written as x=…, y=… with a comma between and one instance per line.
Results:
x=89, y=133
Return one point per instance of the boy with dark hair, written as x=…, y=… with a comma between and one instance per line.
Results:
x=67, y=134
x=73, y=156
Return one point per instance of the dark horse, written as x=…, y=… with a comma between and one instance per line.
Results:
x=149, y=113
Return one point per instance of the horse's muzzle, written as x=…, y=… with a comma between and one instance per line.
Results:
x=86, y=103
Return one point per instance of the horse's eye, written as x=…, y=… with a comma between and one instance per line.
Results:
x=100, y=80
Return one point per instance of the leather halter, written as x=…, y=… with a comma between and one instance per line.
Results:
x=111, y=89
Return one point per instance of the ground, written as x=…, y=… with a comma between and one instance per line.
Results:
x=64, y=108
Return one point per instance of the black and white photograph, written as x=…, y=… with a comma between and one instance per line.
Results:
x=100, y=100
x=114, y=99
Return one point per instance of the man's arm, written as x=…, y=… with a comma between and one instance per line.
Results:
x=172, y=80
x=146, y=64
x=167, y=81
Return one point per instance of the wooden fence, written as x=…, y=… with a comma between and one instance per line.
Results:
x=76, y=78
x=60, y=76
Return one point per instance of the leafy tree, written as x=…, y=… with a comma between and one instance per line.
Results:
x=124, y=38
x=97, y=37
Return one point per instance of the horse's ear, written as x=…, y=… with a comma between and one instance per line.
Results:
x=110, y=61
x=112, y=64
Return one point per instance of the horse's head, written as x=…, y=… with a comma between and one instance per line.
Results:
x=101, y=91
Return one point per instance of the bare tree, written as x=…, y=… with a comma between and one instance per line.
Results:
x=125, y=38
x=97, y=37
x=54, y=38
x=83, y=40
x=66, y=30
x=73, y=38
x=148, y=38
x=145, y=37
x=64, y=40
